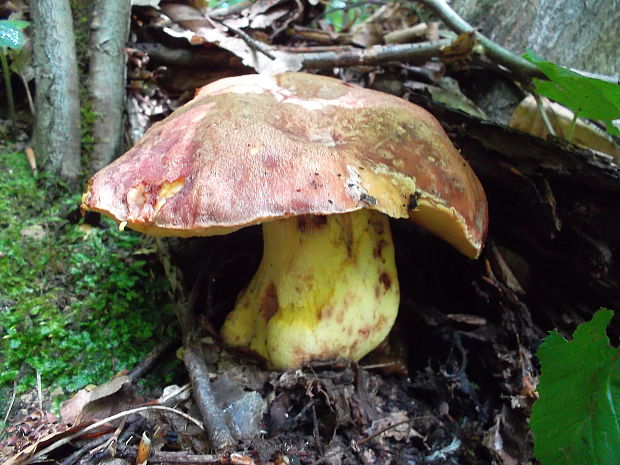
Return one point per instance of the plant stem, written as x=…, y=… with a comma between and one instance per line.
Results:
x=9, y=89
x=571, y=128
x=543, y=114
x=28, y=94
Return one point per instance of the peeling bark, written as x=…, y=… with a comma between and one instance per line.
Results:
x=57, y=127
x=107, y=76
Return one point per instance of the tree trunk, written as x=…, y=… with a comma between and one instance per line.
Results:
x=57, y=127
x=579, y=34
x=109, y=32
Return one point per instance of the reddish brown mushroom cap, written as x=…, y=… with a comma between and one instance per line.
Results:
x=257, y=148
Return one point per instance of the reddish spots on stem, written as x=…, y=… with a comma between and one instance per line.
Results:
x=378, y=250
x=385, y=279
x=269, y=302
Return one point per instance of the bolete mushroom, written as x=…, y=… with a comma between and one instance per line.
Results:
x=321, y=164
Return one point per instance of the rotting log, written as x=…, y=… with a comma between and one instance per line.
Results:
x=553, y=211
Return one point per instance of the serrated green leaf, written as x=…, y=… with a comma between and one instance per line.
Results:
x=586, y=97
x=576, y=420
x=11, y=35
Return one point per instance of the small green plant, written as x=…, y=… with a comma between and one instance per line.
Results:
x=576, y=421
x=77, y=303
x=11, y=38
x=586, y=97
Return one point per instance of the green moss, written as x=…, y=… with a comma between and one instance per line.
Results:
x=77, y=304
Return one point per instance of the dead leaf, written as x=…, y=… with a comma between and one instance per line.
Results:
x=395, y=425
x=77, y=408
x=495, y=443
x=144, y=450
x=460, y=50
x=44, y=432
x=527, y=118
x=196, y=24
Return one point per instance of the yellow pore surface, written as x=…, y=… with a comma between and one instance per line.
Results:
x=326, y=288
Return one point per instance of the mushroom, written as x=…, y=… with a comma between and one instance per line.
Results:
x=322, y=165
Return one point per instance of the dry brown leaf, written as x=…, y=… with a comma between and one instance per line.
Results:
x=75, y=409
x=460, y=50
x=58, y=432
x=527, y=118
x=196, y=24
x=395, y=425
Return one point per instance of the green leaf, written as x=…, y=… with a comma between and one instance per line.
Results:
x=576, y=421
x=586, y=97
x=11, y=35
x=20, y=60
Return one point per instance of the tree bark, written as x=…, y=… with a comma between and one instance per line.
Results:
x=579, y=34
x=57, y=127
x=107, y=76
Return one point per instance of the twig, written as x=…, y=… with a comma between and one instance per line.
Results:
x=147, y=362
x=315, y=431
x=543, y=114
x=374, y=55
x=405, y=35
x=112, y=439
x=219, y=434
x=520, y=66
x=39, y=390
x=61, y=442
x=252, y=43
x=184, y=457
x=216, y=427
x=85, y=449
x=8, y=412
x=496, y=52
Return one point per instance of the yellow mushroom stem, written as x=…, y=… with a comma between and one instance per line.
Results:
x=326, y=288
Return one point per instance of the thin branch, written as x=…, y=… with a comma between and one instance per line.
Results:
x=149, y=360
x=185, y=457
x=252, y=43
x=61, y=442
x=375, y=55
x=39, y=390
x=494, y=51
x=8, y=412
x=212, y=414
x=85, y=449
x=219, y=434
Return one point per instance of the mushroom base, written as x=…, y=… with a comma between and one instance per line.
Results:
x=326, y=288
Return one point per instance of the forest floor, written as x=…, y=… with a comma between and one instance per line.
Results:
x=82, y=302
x=86, y=317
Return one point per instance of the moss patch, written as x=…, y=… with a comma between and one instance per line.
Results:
x=77, y=303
